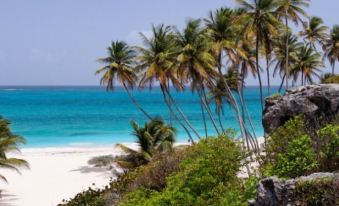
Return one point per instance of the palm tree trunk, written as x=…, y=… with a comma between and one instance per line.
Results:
x=175, y=116
x=282, y=83
x=333, y=68
x=287, y=51
x=204, y=101
x=302, y=78
x=268, y=76
x=136, y=103
x=220, y=122
x=203, y=117
x=181, y=113
x=258, y=71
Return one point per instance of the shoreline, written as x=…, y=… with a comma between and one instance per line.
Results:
x=57, y=173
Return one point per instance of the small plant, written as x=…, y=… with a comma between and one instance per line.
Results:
x=101, y=161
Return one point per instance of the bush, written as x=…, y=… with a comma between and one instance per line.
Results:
x=292, y=152
x=299, y=159
x=322, y=191
x=330, y=79
x=101, y=161
x=206, y=176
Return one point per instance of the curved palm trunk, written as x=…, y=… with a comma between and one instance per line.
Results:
x=302, y=78
x=333, y=68
x=204, y=101
x=203, y=117
x=136, y=103
x=268, y=76
x=220, y=122
x=242, y=101
x=282, y=83
x=258, y=71
x=181, y=113
x=173, y=114
x=287, y=51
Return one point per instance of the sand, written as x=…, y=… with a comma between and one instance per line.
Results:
x=58, y=173
x=55, y=174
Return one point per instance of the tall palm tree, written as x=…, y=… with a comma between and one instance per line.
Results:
x=260, y=21
x=9, y=142
x=119, y=66
x=308, y=64
x=223, y=31
x=158, y=59
x=315, y=32
x=331, y=47
x=155, y=137
x=196, y=63
x=281, y=59
x=292, y=10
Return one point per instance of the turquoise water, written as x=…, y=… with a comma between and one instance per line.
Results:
x=66, y=116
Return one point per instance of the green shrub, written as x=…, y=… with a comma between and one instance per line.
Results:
x=329, y=147
x=101, y=161
x=330, y=79
x=207, y=176
x=292, y=152
x=320, y=192
x=299, y=159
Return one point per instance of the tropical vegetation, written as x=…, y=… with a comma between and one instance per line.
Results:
x=212, y=58
x=9, y=142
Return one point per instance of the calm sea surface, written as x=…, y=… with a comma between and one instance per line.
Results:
x=76, y=116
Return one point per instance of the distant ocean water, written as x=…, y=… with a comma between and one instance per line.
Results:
x=76, y=116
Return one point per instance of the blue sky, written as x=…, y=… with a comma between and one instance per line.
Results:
x=45, y=42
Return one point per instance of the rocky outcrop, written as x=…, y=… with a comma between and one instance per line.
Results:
x=278, y=192
x=313, y=102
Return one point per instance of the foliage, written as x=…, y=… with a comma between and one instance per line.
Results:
x=329, y=147
x=330, y=79
x=89, y=197
x=101, y=161
x=155, y=137
x=207, y=176
x=291, y=151
x=322, y=191
x=299, y=158
x=9, y=142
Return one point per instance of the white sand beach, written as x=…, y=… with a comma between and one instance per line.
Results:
x=55, y=174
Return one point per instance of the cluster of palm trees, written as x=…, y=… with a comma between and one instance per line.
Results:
x=213, y=56
x=9, y=142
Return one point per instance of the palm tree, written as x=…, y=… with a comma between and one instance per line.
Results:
x=224, y=31
x=119, y=66
x=281, y=59
x=260, y=21
x=9, y=142
x=315, y=32
x=290, y=10
x=158, y=59
x=196, y=63
x=331, y=47
x=308, y=64
x=155, y=137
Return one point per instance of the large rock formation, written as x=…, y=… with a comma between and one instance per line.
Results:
x=314, y=102
x=321, y=188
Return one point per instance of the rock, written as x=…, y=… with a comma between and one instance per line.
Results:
x=273, y=191
x=313, y=102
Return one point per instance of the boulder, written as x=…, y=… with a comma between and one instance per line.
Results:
x=273, y=191
x=313, y=102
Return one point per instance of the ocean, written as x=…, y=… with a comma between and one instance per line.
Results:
x=89, y=115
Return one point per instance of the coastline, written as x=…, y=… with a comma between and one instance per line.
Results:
x=58, y=173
